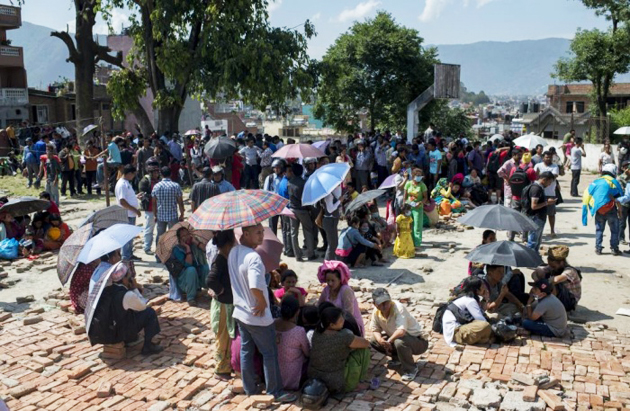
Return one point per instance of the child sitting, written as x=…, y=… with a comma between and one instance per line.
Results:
x=56, y=234
x=403, y=246
x=288, y=282
x=373, y=254
x=29, y=245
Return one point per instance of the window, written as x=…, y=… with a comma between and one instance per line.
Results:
x=40, y=114
x=579, y=106
x=569, y=107
x=105, y=106
x=73, y=111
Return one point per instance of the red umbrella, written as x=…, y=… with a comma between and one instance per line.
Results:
x=298, y=151
x=270, y=250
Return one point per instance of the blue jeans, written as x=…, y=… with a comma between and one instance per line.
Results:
x=538, y=327
x=263, y=338
x=535, y=237
x=600, y=223
x=127, y=250
x=149, y=226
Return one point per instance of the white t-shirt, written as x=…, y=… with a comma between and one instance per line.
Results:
x=576, y=158
x=247, y=272
x=125, y=190
x=449, y=324
x=606, y=158
x=553, y=169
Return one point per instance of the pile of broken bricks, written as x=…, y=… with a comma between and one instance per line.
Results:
x=47, y=363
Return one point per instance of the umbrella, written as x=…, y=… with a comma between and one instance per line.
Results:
x=288, y=213
x=323, y=181
x=107, y=217
x=497, y=217
x=505, y=253
x=95, y=295
x=108, y=240
x=192, y=132
x=220, y=148
x=24, y=205
x=270, y=250
x=388, y=182
x=70, y=250
x=321, y=145
x=498, y=137
x=240, y=208
x=363, y=198
x=168, y=240
x=89, y=128
x=298, y=151
x=530, y=141
x=625, y=131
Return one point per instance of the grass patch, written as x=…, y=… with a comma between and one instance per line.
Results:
x=15, y=186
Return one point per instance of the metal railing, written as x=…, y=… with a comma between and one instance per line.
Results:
x=13, y=96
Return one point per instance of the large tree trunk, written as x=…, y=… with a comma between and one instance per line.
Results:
x=144, y=122
x=84, y=66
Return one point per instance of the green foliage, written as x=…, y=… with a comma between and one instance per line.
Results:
x=473, y=98
x=377, y=68
x=450, y=121
x=125, y=87
x=618, y=118
x=210, y=48
x=613, y=10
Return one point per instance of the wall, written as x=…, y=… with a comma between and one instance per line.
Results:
x=591, y=161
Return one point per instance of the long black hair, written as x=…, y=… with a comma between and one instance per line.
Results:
x=471, y=287
x=327, y=317
x=289, y=306
x=222, y=238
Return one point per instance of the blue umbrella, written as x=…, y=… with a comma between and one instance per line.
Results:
x=323, y=181
x=107, y=241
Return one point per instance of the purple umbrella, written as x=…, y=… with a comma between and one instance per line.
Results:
x=270, y=250
x=388, y=183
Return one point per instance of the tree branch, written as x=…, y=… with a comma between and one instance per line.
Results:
x=72, y=50
x=102, y=54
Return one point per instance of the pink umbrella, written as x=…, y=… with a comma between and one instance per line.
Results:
x=288, y=213
x=298, y=151
x=388, y=183
x=193, y=132
x=270, y=250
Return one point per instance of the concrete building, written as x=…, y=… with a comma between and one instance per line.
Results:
x=13, y=83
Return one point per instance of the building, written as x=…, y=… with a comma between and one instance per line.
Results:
x=576, y=98
x=13, y=84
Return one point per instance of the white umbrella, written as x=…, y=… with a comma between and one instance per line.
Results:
x=624, y=131
x=89, y=128
x=321, y=144
x=498, y=137
x=530, y=141
x=95, y=294
x=107, y=241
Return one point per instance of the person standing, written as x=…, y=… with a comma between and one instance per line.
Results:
x=505, y=171
x=127, y=199
x=363, y=165
x=51, y=168
x=535, y=205
x=547, y=165
x=330, y=221
x=67, y=171
x=203, y=190
x=167, y=197
x=177, y=155
x=251, y=153
x=253, y=315
x=380, y=156
x=577, y=152
x=272, y=183
x=416, y=196
x=31, y=161
x=91, y=153
x=295, y=187
x=624, y=179
x=219, y=180
x=145, y=188
x=265, y=162
x=435, y=164
x=142, y=156
x=113, y=161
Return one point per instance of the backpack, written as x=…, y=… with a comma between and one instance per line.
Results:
x=462, y=316
x=314, y=394
x=494, y=163
x=526, y=203
x=518, y=181
x=437, y=320
x=478, y=194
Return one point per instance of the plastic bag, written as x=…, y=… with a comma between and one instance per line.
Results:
x=9, y=249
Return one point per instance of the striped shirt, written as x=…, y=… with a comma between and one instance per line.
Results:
x=202, y=191
x=166, y=193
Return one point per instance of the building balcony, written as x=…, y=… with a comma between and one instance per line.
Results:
x=13, y=96
x=10, y=17
x=11, y=56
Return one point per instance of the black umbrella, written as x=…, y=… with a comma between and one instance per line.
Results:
x=505, y=253
x=498, y=217
x=363, y=198
x=18, y=207
x=220, y=148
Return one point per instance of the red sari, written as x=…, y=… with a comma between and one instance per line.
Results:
x=237, y=167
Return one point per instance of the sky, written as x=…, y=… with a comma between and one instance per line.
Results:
x=438, y=21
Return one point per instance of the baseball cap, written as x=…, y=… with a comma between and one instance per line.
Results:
x=543, y=285
x=380, y=295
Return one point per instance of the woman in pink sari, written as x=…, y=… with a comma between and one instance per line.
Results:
x=336, y=276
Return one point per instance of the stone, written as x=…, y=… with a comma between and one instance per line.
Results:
x=27, y=299
x=32, y=320
x=22, y=390
x=104, y=389
x=37, y=310
x=448, y=392
x=513, y=401
x=485, y=398
x=529, y=393
x=523, y=379
x=10, y=382
x=471, y=384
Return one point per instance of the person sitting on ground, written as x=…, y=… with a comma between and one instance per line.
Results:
x=308, y=319
x=190, y=253
x=289, y=281
x=501, y=302
x=10, y=228
x=336, y=276
x=122, y=312
x=38, y=225
x=545, y=314
x=57, y=233
x=338, y=358
x=352, y=246
x=52, y=208
x=373, y=254
x=30, y=245
x=403, y=245
x=559, y=271
x=293, y=346
x=396, y=333
x=477, y=331
x=488, y=236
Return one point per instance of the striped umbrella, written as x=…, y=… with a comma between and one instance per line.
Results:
x=69, y=252
x=242, y=208
x=169, y=240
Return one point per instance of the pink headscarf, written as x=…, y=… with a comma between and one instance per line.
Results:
x=332, y=265
x=458, y=178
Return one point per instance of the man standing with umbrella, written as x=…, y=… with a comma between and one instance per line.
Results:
x=167, y=197
x=302, y=214
x=128, y=200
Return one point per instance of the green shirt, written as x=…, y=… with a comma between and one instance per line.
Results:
x=567, y=138
x=415, y=192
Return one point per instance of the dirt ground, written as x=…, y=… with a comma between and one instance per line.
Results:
x=606, y=286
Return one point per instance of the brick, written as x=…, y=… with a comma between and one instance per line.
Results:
x=191, y=329
x=80, y=371
x=237, y=387
x=523, y=379
x=529, y=393
x=552, y=400
x=22, y=390
x=104, y=389
x=262, y=401
x=45, y=361
x=32, y=320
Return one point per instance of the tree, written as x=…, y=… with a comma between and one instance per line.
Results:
x=451, y=122
x=210, y=48
x=85, y=53
x=377, y=68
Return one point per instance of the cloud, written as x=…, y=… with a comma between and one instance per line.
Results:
x=433, y=8
x=316, y=16
x=274, y=5
x=360, y=11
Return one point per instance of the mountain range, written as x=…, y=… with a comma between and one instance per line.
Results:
x=498, y=68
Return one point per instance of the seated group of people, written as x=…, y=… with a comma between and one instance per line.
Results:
x=494, y=292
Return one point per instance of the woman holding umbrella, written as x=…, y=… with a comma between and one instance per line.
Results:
x=416, y=195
